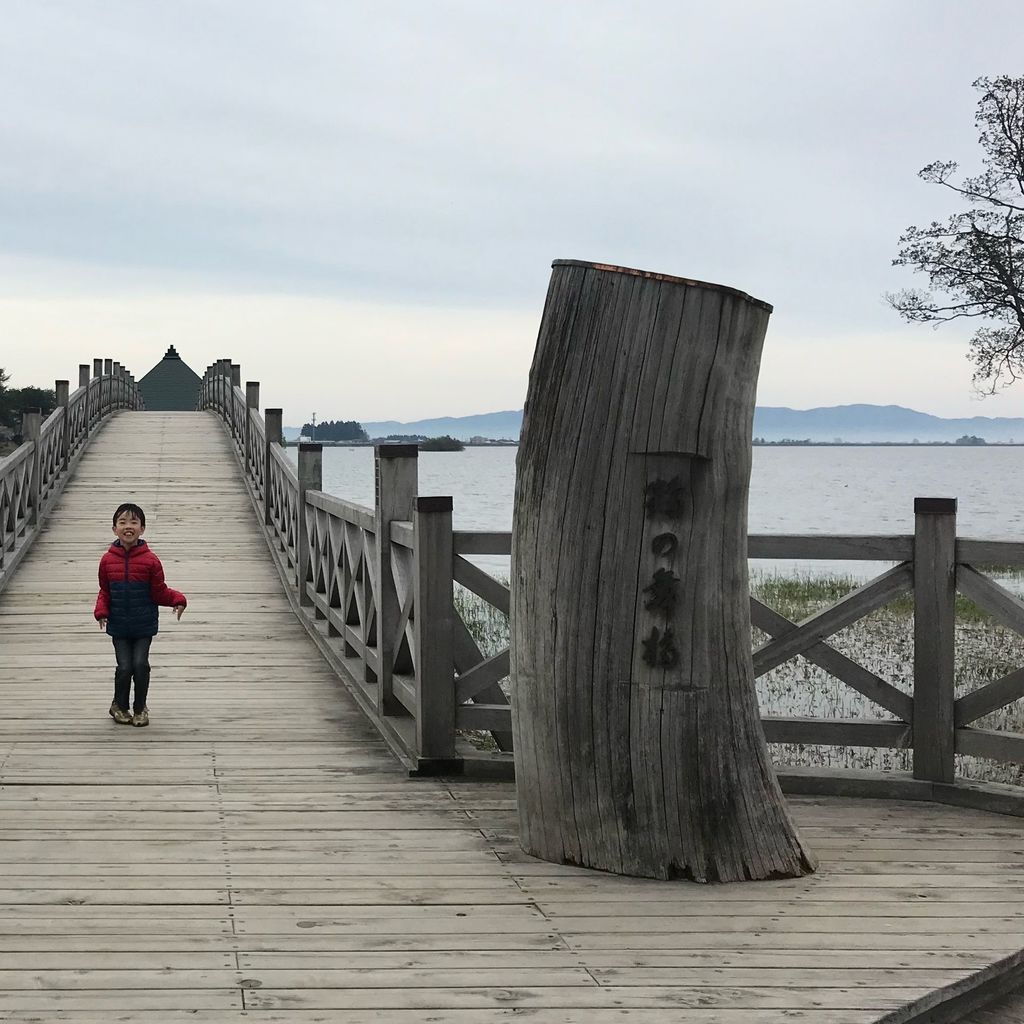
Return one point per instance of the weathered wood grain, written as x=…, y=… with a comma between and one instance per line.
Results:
x=935, y=584
x=639, y=745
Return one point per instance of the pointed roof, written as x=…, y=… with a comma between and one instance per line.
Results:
x=171, y=386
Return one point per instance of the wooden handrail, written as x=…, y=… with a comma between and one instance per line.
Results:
x=348, y=573
x=33, y=476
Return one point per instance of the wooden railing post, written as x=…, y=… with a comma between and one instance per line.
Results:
x=107, y=386
x=396, y=476
x=934, y=637
x=434, y=610
x=272, y=418
x=310, y=479
x=223, y=388
x=115, y=385
x=62, y=389
x=252, y=401
x=31, y=424
x=83, y=382
x=96, y=396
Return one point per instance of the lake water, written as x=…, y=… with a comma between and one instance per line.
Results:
x=792, y=490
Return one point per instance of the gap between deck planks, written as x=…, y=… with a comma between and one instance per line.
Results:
x=257, y=850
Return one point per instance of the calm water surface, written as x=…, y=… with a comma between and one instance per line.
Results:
x=792, y=490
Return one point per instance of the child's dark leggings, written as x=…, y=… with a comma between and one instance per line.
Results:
x=132, y=653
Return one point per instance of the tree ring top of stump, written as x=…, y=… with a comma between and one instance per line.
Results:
x=609, y=268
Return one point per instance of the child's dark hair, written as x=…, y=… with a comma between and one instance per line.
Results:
x=132, y=509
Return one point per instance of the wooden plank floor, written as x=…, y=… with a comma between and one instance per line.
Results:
x=257, y=854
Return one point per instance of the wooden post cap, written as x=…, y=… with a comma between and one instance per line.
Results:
x=935, y=506
x=669, y=278
x=396, y=451
x=440, y=503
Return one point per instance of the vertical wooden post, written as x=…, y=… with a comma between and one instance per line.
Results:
x=252, y=401
x=31, y=424
x=235, y=370
x=107, y=385
x=83, y=382
x=395, y=492
x=115, y=385
x=223, y=387
x=433, y=608
x=273, y=419
x=310, y=479
x=96, y=400
x=934, y=637
x=62, y=389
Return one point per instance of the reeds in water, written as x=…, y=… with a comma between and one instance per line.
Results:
x=883, y=642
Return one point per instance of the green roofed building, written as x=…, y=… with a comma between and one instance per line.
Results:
x=171, y=386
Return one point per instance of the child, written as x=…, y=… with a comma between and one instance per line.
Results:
x=131, y=586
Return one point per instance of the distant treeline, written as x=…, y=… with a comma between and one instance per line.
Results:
x=966, y=439
x=335, y=430
x=13, y=401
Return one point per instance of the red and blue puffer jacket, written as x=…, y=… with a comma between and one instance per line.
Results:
x=131, y=588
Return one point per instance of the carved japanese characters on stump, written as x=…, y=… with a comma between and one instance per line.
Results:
x=639, y=747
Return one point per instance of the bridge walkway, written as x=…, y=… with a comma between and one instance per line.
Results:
x=258, y=854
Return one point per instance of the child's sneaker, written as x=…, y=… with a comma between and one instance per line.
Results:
x=141, y=718
x=118, y=715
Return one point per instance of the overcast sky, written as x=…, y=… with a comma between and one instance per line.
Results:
x=360, y=202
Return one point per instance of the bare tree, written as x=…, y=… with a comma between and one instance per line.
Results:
x=974, y=261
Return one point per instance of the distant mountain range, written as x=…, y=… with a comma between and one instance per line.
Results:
x=850, y=423
x=866, y=423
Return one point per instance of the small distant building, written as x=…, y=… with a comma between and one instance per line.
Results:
x=171, y=386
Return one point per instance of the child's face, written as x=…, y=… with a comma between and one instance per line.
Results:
x=128, y=529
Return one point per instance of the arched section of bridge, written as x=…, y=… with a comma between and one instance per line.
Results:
x=258, y=852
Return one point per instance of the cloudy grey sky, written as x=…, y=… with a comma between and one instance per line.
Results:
x=360, y=202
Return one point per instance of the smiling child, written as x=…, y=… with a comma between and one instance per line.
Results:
x=131, y=589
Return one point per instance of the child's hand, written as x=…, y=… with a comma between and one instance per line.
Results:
x=103, y=623
x=178, y=609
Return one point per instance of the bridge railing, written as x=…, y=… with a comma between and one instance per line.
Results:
x=34, y=474
x=375, y=587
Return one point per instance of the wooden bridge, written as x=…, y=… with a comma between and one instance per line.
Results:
x=263, y=852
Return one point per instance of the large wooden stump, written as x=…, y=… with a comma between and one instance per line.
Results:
x=639, y=747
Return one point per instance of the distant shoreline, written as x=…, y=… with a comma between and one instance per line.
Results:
x=9, y=448
x=885, y=444
x=756, y=444
x=371, y=443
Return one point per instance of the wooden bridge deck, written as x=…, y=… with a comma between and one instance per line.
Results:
x=257, y=849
